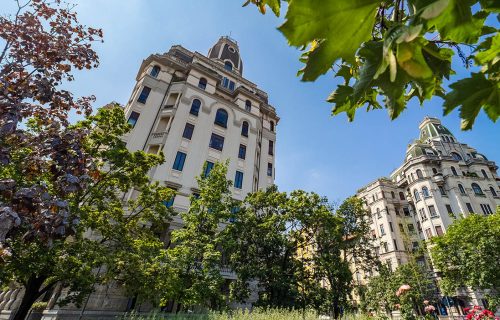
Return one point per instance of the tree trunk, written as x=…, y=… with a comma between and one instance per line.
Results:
x=31, y=293
x=336, y=308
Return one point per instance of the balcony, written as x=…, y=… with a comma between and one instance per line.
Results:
x=158, y=137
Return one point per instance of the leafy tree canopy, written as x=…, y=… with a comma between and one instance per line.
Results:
x=397, y=50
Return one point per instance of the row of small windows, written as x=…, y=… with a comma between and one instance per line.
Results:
x=221, y=117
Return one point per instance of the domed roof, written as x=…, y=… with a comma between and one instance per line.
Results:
x=432, y=128
x=226, y=51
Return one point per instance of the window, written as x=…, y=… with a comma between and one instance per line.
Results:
x=401, y=228
x=486, y=209
x=477, y=189
x=469, y=207
x=461, y=188
x=449, y=210
x=432, y=211
x=419, y=174
x=406, y=211
x=391, y=227
x=423, y=216
x=226, y=83
x=238, y=180
x=207, y=168
x=395, y=244
x=144, y=95
x=456, y=156
x=179, y=161
x=454, y=171
x=382, y=230
x=425, y=192
x=269, y=169
x=271, y=126
x=242, y=152
x=417, y=195
x=484, y=174
x=271, y=148
x=393, y=195
x=202, y=84
x=386, y=249
x=221, y=118
x=419, y=226
x=228, y=66
x=493, y=192
x=170, y=202
x=216, y=142
x=401, y=196
x=439, y=230
x=378, y=213
x=188, y=131
x=195, y=107
x=442, y=191
x=415, y=245
x=244, y=129
x=434, y=171
x=155, y=71
x=411, y=228
x=248, y=106
x=132, y=120
x=428, y=233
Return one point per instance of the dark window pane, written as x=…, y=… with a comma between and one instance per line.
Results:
x=270, y=169
x=202, y=84
x=221, y=118
x=271, y=148
x=242, y=152
x=248, y=106
x=155, y=71
x=132, y=120
x=179, y=161
x=216, y=142
x=244, y=129
x=188, y=131
x=228, y=65
x=208, y=167
x=238, y=180
x=195, y=107
x=144, y=95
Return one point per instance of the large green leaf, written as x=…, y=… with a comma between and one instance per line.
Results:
x=342, y=25
x=371, y=54
x=472, y=94
x=492, y=52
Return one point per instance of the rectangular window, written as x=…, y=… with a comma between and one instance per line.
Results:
x=271, y=148
x=432, y=211
x=406, y=211
x=428, y=233
x=386, y=247
x=207, y=168
x=411, y=228
x=486, y=209
x=179, y=161
x=391, y=227
x=469, y=207
x=419, y=226
x=242, y=152
x=238, y=180
x=449, y=210
x=389, y=263
x=442, y=191
x=439, y=230
x=188, y=131
x=144, y=94
x=269, y=169
x=170, y=202
x=382, y=230
x=423, y=216
x=226, y=83
x=415, y=245
x=132, y=120
x=395, y=244
x=216, y=142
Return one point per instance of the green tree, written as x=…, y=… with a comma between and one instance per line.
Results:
x=467, y=254
x=381, y=291
x=196, y=254
x=77, y=230
x=398, y=50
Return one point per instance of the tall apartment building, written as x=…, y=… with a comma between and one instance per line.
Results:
x=441, y=179
x=198, y=109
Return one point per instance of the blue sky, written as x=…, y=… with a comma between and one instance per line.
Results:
x=314, y=151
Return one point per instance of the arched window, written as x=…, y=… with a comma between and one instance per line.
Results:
x=202, y=84
x=493, y=192
x=425, y=192
x=228, y=65
x=244, y=129
x=419, y=174
x=434, y=170
x=248, y=106
x=417, y=196
x=454, y=171
x=456, y=156
x=401, y=196
x=155, y=71
x=484, y=174
x=461, y=188
x=195, y=107
x=393, y=195
x=477, y=189
x=271, y=126
x=221, y=118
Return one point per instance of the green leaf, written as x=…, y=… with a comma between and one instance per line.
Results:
x=345, y=72
x=472, y=94
x=371, y=55
x=492, y=53
x=342, y=25
x=490, y=5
